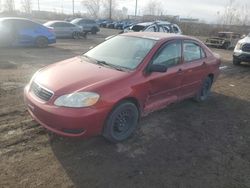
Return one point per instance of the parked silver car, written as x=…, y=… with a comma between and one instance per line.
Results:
x=64, y=29
x=87, y=25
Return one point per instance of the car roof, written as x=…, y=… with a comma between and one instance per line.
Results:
x=57, y=21
x=156, y=22
x=158, y=35
x=13, y=18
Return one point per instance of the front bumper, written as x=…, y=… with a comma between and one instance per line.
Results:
x=241, y=56
x=70, y=122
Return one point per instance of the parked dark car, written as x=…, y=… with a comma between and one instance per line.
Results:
x=107, y=90
x=87, y=25
x=64, y=29
x=105, y=23
x=24, y=32
x=111, y=25
x=158, y=26
x=123, y=24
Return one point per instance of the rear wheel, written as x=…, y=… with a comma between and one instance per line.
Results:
x=236, y=61
x=41, y=42
x=204, y=93
x=122, y=122
x=226, y=45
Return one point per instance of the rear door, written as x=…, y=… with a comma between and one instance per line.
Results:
x=26, y=31
x=58, y=29
x=164, y=87
x=194, y=68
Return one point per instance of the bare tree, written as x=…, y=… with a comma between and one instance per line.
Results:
x=9, y=5
x=93, y=7
x=109, y=7
x=234, y=14
x=27, y=6
x=153, y=8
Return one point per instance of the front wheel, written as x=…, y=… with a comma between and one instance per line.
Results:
x=204, y=93
x=122, y=122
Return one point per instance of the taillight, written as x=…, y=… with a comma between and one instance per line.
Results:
x=51, y=30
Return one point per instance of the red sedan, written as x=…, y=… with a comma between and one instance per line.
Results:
x=106, y=90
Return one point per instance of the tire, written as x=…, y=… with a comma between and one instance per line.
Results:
x=42, y=42
x=75, y=35
x=226, y=45
x=205, y=90
x=121, y=122
x=236, y=61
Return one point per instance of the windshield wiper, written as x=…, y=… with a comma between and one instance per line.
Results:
x=104, y=63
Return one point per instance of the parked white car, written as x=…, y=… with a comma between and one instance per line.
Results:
x=242, y=51
x=157, y=26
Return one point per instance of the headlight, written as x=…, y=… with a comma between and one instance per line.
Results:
x=77, y=100
x=238, y=46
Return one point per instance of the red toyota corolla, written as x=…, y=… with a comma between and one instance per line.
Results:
x=106, y=90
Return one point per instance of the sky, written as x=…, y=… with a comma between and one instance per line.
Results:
x=206, y=10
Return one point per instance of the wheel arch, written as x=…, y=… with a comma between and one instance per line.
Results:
x=211, y=76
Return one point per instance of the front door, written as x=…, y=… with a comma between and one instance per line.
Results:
x=164, y=87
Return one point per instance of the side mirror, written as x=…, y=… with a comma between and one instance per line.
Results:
x=157, y=68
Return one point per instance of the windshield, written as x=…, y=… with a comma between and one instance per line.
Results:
x=122, y=51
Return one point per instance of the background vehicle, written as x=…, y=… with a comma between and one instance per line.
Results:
x=224, y=40
x=242, y=51
x=123, y=24
x=149, y=72
x=24, y=32
x=64, y=29
x=87, y=25
x=105, y=23
x=158, y=26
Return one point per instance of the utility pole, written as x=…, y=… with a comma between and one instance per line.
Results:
x=110, y=9
x=38, y=5
x=135, y=8
x=73, y=7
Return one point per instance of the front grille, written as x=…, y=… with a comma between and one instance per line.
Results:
x=40, y=92
x=246, y=48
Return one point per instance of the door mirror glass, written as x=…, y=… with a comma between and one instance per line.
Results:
x=157, y=68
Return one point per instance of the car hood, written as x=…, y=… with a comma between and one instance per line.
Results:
x=245, y=40
x=75, y=74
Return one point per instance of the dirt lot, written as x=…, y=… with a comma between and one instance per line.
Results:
x=187, y=145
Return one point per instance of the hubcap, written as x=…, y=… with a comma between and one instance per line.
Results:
x=122, y=122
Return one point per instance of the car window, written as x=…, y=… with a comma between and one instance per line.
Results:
x=175, y=29
x=167, y=29
x=169, y=55
x=151, y=29
x=192, y=51
x=23, y=24
x=161, y=29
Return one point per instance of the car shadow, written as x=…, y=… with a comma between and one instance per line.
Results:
x=188, y=144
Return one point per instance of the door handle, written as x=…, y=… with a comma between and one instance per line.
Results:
x=179, y=71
